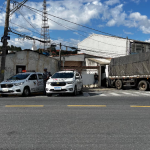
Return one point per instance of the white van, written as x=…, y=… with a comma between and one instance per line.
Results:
x=64, y=82
x=22, y=84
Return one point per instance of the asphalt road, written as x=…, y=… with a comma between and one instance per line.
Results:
x=75, y=123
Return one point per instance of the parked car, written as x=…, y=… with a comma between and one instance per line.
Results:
x=22, y=84
x=65, y=82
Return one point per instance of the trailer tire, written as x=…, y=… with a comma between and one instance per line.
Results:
x=118, y=84
x=143, y=85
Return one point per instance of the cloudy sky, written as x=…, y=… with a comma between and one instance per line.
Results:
x=124, y=18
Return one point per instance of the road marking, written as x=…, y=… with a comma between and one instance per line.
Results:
x=102, y=94
x=145, y=94
x=115, y=94
x=126, y=93
x=86, y=105
x=24, y=106
x=139, y=106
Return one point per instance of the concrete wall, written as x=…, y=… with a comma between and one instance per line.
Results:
x=32, y=61
x=105, y=46
x=72, y=58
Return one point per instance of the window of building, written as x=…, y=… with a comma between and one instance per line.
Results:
x=19, y=68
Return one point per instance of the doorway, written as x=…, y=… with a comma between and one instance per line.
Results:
x=20, y=68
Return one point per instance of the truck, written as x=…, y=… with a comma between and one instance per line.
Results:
x=132, y=70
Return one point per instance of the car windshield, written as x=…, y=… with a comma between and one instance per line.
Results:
x=63, y=75
x=19, y=77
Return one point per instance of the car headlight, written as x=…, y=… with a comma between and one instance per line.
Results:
x=48, y=83
x=71, y=82
x=17, y=84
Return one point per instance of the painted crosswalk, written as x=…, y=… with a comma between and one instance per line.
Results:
x=119, y=93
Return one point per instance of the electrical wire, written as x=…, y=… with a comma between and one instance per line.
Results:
x=70, y=46
x=61, y=25
x=36, y=32
x=75, y=23
x=28, y=22
x=79, y=33
x=73, y=30
x=24, y=28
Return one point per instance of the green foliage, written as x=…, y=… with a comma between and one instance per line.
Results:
x=12, y=48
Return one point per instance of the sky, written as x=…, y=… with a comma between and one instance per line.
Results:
x=123, y=18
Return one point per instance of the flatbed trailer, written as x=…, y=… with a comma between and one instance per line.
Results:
x=131, y=70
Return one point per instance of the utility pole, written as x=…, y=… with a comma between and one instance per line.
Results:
x=4, y=48
x=60, y=58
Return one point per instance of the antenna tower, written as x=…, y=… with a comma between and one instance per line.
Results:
x=45, y=36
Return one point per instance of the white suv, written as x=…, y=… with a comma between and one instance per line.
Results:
x=64, y=82
x=22, y=84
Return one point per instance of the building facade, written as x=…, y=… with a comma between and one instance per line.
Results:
x=109, y=46
x=28, y=60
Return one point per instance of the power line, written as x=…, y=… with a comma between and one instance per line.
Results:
x=75, y=31
x=35, y=32
x=28, y=22
x=18, y=6
x=25, y=28
x=79, y=33
x=75, y=23
x=70, y=46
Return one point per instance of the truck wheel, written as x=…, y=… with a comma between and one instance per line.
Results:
x=118, y=84
x=75, y=91
x=143, y=86
x=26, y=92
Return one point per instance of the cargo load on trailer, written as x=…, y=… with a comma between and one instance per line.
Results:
x=131, y=70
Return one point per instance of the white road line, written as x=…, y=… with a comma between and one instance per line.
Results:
x=86, y=94
x=102, y=94
x=146, y=94
x=115, y=94
x=133, y=94
x=126, y=93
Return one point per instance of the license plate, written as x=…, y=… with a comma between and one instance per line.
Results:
x=5, y=90
x=57, y=88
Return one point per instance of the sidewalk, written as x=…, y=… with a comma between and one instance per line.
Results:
x=97, y=89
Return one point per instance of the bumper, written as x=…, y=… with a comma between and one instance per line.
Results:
x=64, y=89
x=11, y=91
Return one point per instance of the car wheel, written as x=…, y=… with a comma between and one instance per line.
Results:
x=75, y=91
x=26, y=91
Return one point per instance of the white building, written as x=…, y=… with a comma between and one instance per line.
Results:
x=109, y=46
